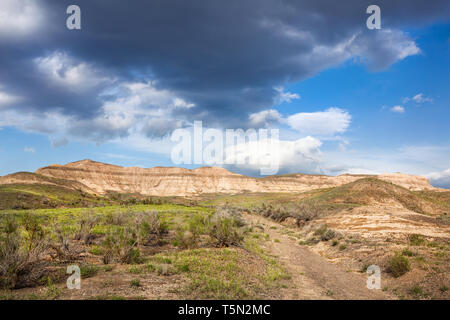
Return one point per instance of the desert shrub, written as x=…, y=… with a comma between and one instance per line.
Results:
x=408, y=253
x=325, y=234
x=135, y=283
x=328, y=235
x=417, y=292
x=149, y=224
x=120, y=244
x=116, y=219
x=21, y=262
x=398, y=265
x=198, y=224
x=185, y=239
x=189, y=236
x=305, y=210
x=226, y=229
x=416, y=240
x=365, y=267
x=321, y=230
x=51, y=291
x=88, y=270
x=86, y=224
x=96, y=250
x=308, y=210
x=60, y=245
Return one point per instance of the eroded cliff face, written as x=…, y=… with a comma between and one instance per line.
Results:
x=173, y=181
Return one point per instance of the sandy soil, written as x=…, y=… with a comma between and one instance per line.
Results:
x=313, y=276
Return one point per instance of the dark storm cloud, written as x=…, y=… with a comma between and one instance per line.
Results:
x=223, y=56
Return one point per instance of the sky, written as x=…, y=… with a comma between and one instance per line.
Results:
x=346, y=99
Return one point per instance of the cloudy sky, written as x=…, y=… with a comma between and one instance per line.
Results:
x=345, y=98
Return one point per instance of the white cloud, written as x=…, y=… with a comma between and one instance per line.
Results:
x=63, y=70
x=420, y=98
x=383, y=48
x=265, y=118
x=139, y=109
x=6, y=99
x=325, y=123
x=440, y=179
x=283, y=96
x=20, y=18
x=398, y=109
x=29, y=150
x=302, y=155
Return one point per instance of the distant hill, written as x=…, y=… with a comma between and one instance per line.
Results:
x=25, y=190
x=102, y=178
x=367, y=191
x=88, y=182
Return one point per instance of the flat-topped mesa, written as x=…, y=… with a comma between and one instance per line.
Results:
x=174, y=181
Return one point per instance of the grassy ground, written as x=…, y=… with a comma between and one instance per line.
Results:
x=167, y=266
x=171, y=248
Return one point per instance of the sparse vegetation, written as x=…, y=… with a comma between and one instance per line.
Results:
x=206, y=250
x=21, y=251
x=398, y=265
x=416, y=240
x=135, y=283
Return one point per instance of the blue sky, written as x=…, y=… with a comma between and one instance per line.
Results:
x=374, y=101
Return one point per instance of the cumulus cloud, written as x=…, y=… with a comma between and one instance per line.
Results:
x=63, y=70
x=6, y=99
x=325, y=123
x=398, y=109
x=134, y=108
x=19, y=18
x=302, y=155
x=384, y=49
x=440, y=179
x=221, y=74
x=265, y=118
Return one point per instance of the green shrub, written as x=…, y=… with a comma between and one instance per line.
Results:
x=398, y=265
x=87, y=222
x=150, y=224
x=135, y=283
x=96, y=250
x=121, y=245
x=225, y=231
x=21, y=253
x=416, y=291
x=185, y=239
x=88, y=270
x=328, y=235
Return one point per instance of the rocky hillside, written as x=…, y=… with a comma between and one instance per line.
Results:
x=95, y=177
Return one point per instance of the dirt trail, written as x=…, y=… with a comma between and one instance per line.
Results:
x=313, y=277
